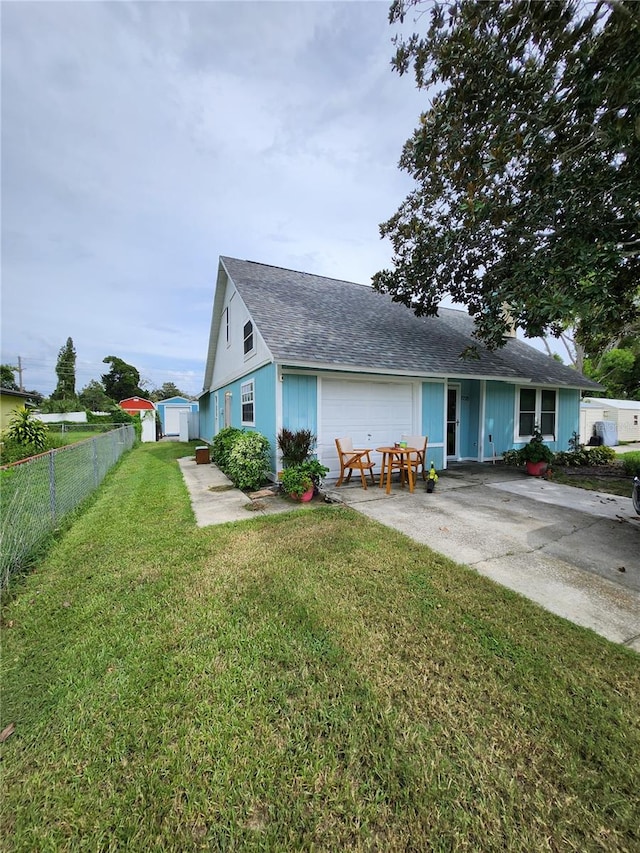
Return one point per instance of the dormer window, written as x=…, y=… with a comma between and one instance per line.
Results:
x=248, y=337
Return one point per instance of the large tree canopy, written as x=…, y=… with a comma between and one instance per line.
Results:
x=527, y=167
x=168, y=390
x=66, y=373
x=122, y=380
x=618, y=368
x=7, y=377
x=94, y=397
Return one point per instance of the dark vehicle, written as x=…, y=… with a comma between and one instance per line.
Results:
x=635, y=494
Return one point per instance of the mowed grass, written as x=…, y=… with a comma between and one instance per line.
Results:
x=72, y=436
x=306, y=681
x=591, y=481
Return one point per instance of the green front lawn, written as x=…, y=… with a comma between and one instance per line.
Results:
x=590, y=479
x=305, y=681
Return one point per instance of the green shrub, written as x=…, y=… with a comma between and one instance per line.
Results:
x=222, y=445
x=315, y=469
x=512, y=457
x=583, y=458
x=631, y=463
x=113, y=416
x=249, y=460
x=27, y=431
x=572, y=458
x=602, y=455
x=12, y=451
x=296, y=481
x=117, y=416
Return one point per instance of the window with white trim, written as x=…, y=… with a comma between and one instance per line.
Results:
x=536, y=408
x=247, y=403
x=247, y=334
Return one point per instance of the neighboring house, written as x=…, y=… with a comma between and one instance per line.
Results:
x=625, y=414
x=170, y=410
x=10, y=402
x=303, y=351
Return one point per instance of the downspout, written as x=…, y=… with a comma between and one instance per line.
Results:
x=445, y=396
x=278, y=416
x=483, y=408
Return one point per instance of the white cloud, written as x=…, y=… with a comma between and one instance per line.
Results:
x=141, y=141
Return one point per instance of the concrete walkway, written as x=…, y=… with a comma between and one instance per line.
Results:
x=215, y=500
x=574, y=552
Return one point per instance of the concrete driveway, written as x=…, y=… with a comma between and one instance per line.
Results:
x=577, y=553
x=574, y=552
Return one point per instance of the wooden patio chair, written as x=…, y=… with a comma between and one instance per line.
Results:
x=417, y=460
x=351, y=459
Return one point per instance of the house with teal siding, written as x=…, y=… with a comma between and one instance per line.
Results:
x=292, y=349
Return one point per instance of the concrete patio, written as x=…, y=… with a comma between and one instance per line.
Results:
x=574, y=552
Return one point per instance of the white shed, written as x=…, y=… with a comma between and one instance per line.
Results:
x=624, y=413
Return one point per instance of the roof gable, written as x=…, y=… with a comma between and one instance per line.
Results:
x=136, y=403
x=610, y=403
x=312, y=320
x=8, y=392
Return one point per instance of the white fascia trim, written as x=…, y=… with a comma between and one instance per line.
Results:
x=289, y=367
x=240, y=374
x=346, y=375
x=220, y=291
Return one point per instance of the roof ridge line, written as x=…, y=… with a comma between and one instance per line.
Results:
x=298, y=272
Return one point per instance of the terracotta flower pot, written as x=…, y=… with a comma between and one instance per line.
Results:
x=536, y=469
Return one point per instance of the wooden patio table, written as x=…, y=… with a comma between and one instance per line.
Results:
x=402, y=454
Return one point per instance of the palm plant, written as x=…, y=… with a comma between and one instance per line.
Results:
x=27, y=431
x=295, y=446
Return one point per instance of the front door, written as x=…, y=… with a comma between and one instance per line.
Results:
x=453, y=422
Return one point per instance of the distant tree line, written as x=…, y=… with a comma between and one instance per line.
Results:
x=121, y=381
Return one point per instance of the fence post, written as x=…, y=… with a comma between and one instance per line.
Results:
x=52, y=484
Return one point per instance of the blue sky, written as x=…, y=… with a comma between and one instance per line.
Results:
x=141, y=141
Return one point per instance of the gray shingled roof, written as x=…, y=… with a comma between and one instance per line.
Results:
x=306, y=319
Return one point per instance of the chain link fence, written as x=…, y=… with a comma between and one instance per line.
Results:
x=37, y=493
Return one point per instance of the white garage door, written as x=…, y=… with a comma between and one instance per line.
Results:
x=172, y=419
x=373, y=414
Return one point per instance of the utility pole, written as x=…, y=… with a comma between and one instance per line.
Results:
x=20, y=374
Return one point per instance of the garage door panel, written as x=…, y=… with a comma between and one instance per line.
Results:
x=371, y=413
x=172, y=419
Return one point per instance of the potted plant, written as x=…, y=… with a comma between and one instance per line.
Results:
x=295, y=445
x=536, y=455
x=297, y=483
x=316, y=471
